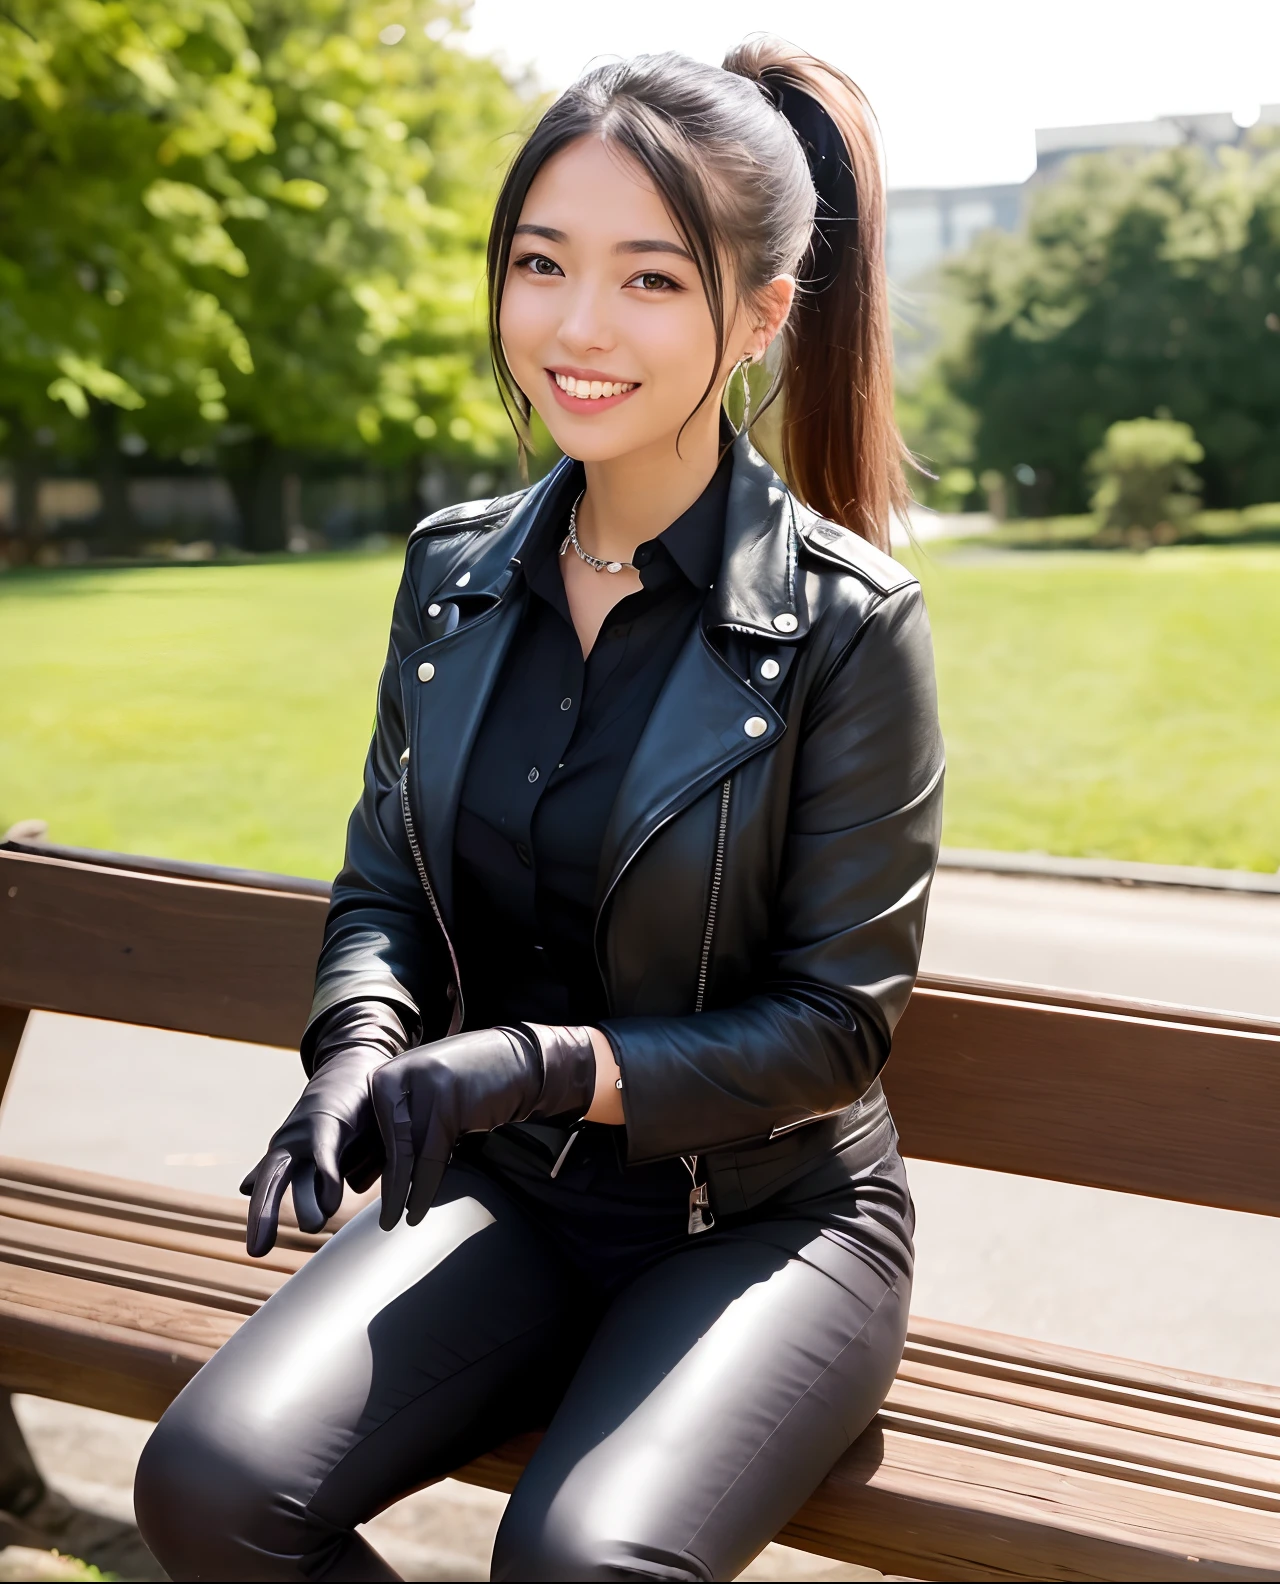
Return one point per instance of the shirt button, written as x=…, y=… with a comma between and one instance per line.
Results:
x=785, y=622
x=426, y=671
x=533, y=774
x=522, y=853
x=756, y=726
x=642, y=557
x=769, y=669
x=566, y=704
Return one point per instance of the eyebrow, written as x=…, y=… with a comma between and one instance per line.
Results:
x=640, y=245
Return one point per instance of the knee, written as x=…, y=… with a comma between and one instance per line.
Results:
x=205, y=1510
x=534, y=1545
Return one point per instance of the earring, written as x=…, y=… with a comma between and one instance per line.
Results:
x=744, y=365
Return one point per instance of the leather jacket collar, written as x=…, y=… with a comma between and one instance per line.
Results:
x=758, y=583
x=707, y=719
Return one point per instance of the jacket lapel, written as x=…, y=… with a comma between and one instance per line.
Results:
x=445, y=710
x=697, y=733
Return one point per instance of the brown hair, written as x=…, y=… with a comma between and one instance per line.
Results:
x=734, y=176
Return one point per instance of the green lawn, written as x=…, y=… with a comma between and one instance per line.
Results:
x=1105, y=704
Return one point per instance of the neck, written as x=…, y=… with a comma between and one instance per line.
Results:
x=632, y=498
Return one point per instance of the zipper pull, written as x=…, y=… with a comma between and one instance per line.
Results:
x=700, y=1216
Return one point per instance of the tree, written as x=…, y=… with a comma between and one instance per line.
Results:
x=99, y=316
x=1146, y=487
x=268, y=240
x=1137, y=288
x=364, y=230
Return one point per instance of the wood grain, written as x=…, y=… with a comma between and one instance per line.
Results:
x=174, y=953
x=1184, y=1110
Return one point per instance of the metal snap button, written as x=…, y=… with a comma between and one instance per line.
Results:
x=433, y=610
x=464, y=580
x=404, y=758
x=566, y=704
x=533, y=774
x=785, y=622
x=756, y=726
x=426, y=671
x=769, y=669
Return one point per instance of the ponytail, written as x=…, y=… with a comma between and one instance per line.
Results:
x=841, y=450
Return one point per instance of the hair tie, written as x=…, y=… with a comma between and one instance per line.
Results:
x=833, y=177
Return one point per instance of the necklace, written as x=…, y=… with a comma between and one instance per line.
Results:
x=594, y=562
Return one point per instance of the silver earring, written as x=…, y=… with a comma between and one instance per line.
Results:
x=744, y=365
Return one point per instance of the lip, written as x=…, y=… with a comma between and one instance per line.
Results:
x=584, y=405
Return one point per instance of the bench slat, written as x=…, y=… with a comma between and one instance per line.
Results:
x=993, y=1457
x=1092, y=1090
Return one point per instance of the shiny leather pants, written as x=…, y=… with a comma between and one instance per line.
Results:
x=691, y=1413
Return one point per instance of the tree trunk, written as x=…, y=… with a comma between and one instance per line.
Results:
x=118, y=530
x=25, y=524
x=258, y=483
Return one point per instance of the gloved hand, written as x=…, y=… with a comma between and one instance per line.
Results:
x=428, y=1098
x=331, y=1132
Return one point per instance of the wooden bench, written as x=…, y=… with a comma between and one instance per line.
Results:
x=993, y=1458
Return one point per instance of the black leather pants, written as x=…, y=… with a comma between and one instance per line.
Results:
x=692, y=1410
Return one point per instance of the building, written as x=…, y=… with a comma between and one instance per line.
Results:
x=927, y=225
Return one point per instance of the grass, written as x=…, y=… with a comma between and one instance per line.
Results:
x=1112, y=705
x=1095, y=704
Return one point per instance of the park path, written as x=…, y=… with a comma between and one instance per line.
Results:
x=1179, y=1284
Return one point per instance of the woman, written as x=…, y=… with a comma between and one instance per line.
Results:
x=632, y=901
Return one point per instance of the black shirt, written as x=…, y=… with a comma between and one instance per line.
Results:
x=547, y=762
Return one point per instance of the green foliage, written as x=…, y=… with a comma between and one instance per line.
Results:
x=1145, y=481
x=939, y=431
x=1137, y=287
x=268, y=229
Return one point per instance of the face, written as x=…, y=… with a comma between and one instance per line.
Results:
x=604, y=321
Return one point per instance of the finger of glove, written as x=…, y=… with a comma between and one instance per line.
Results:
x=427, y=1173
x=306, y=1206
x=395, y=1123
x=428, y=1167
x=326, y=1150
x=263, y=1220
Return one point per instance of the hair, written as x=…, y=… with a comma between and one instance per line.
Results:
x=734, y=176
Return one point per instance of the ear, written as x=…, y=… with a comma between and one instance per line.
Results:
x=772, y=307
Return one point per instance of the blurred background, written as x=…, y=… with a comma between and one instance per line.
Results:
x=242, y=353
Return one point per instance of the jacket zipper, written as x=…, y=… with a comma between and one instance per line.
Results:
x=455, y=1022
x=700, y=1217
x=713, y=902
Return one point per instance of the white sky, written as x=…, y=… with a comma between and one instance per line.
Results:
x=959, y=85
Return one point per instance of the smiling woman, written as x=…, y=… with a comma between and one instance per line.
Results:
x=631, y=903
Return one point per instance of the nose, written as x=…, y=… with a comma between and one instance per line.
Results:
x=586, y=326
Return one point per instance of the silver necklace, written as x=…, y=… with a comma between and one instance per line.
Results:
x=594, y=562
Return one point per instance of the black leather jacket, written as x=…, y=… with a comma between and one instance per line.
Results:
x=768, y=862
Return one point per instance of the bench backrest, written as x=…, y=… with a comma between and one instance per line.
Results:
x=1174, y=1102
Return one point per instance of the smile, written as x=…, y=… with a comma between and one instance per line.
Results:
x=591, y=390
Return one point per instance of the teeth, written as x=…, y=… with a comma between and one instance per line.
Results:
x=593, y=390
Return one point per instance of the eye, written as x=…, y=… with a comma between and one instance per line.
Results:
x=652, y=281
x=537, y=264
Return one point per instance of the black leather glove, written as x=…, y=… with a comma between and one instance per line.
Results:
x=428, y=1098
x=332, y=1132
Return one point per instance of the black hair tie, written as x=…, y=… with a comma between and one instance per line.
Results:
x=835, y=224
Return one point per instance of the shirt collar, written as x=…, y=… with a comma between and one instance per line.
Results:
x=693, y=544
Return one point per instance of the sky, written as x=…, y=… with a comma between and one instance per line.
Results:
x=959, y=86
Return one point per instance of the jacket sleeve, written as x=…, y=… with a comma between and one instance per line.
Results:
x=381, y=939
x=863, y=830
